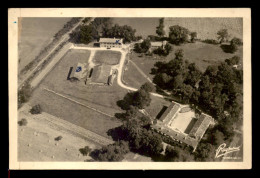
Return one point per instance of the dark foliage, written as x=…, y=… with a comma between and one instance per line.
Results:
x=24, y=94
x=113, y=152
x=85, y=151
x=36, y=109
x=178, y=35
x=22, y=122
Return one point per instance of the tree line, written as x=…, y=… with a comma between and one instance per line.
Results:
x=102, y=27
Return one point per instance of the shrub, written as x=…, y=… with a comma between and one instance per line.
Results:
x=24, y=94
x=36, y=109
x=22, y=122
x=58, y=138
x=210, y=41
x=85, y=151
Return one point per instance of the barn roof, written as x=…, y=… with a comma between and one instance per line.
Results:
x=156, y=44
x=101, y=73
x=170, y=112
x=110, y=40
x=179, y=136
x=201, y=126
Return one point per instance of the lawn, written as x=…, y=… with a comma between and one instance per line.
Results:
x=107, y=57
x=157, y=104
x=145, y=63
x=100, y=97
x=133, y=77
x=203, y=54
x=34, y=35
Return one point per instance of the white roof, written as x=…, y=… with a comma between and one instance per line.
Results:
x=156, y=44
x=110, y=40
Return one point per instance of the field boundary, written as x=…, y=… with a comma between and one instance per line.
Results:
x=63, y=96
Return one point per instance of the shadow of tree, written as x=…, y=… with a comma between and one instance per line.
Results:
x=228, y=48
x=117, y=133
x=126, y=102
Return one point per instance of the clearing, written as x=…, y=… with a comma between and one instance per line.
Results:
x=36, y=142
x=100, y=97
x=107, y=57
x=34, y=35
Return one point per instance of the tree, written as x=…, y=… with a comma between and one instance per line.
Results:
x=233, y=61
x=179, y=54
x=112, y=152
x=86, y=34
x=142, y=47
x=22, y=122
x=24, y=94
x=205, y=152
x=148, y=87
x=236, y=41
x=178, y=34
x=193, y=36
x=178, y=82
x=36, y=109
x=223, y=35
x=171, y=154
x=126, y=32
x=193, y=75
x=145, y=45
x=217, y=138
x=141, y=99
x=160, y=29
x=85, y=151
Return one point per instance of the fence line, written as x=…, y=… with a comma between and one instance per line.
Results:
x=78, y=102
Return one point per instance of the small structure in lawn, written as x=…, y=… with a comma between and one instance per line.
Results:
x=81, y=71
x=101, y=75
x=157, y=44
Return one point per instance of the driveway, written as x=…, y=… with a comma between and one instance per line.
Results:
x=120, y=66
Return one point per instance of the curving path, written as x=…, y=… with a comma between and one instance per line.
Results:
x=120, y=66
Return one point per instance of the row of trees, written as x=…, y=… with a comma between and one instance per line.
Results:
x=102, y=27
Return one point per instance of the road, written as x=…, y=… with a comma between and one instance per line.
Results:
x=63, y=39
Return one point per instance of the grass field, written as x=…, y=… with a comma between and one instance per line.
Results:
x=100, y=97
x=203, y=54
x=133, y=77
x=107, y=57
x=35, y=34
x=40, y=135
x=143, y=26
x=156, y=106
x=208, y=27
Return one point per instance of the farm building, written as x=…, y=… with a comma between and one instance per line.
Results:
x=195, y=133
x=101, y=74
x=158, y=44
x=110, y=42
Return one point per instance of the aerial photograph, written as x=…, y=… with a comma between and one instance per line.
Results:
x=121, y=89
